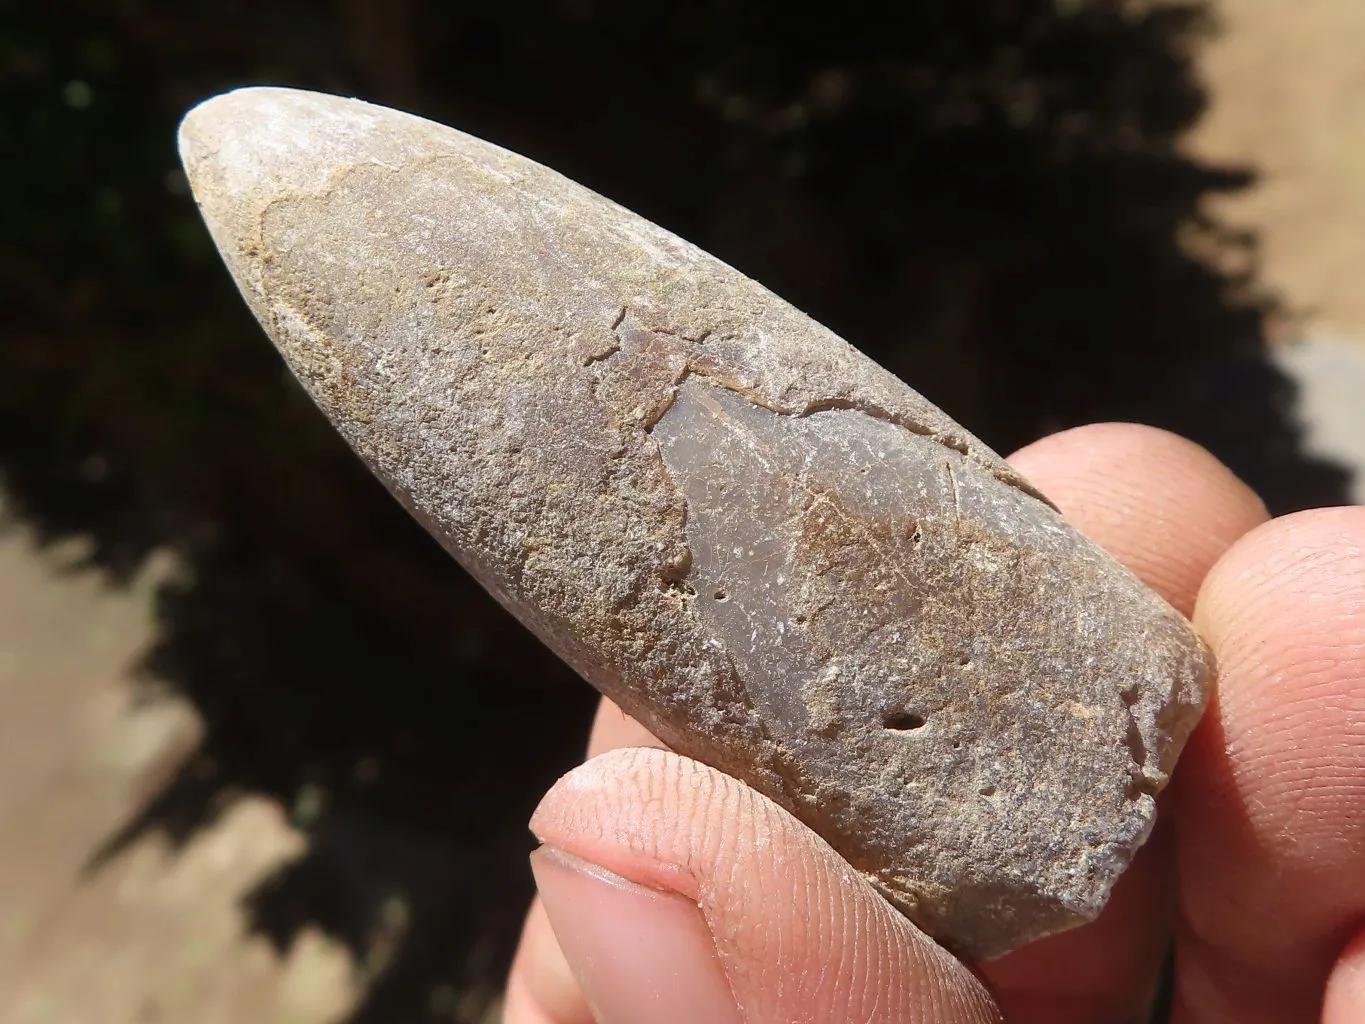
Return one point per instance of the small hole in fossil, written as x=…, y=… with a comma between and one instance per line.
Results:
x=721, y=595
x=903, y=721
x=987, y=791
x=917, y=536
x=800, y=620
x=965, y=661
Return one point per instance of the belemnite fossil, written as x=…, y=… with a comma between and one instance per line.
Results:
x=766, y=548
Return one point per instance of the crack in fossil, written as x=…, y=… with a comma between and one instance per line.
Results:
x=1140, y=784
x=697, y=365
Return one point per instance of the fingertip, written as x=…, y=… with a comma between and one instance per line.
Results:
x=1161, y=504
x=799, y=933
x=1313, y=556
x=1284, y=612
x=1271, y=801
x=541, y=988
x=1345, y=999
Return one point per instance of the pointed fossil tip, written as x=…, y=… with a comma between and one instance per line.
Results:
x=246, y=149
x=261, y=140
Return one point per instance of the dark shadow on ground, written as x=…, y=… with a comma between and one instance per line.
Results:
x=986, y=197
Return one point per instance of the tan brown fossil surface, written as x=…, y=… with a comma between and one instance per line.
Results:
x=769, y=550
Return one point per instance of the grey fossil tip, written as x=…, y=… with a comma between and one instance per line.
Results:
x=267, y=138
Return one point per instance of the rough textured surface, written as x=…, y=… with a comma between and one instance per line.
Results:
x=762, y=545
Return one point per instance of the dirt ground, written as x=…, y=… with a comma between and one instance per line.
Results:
x=1288, y=89
x=158, y=935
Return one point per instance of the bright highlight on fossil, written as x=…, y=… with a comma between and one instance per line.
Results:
x=779, y=558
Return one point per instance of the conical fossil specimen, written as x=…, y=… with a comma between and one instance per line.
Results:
x=769, y=550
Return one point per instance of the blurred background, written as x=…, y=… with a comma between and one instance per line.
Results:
x=265, y=753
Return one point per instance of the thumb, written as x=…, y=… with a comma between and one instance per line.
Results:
x=679, y=894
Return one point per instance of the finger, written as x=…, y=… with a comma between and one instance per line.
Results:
x=1168, y=510
x=540, y=988
x=1162, y=505
x=613, y=728
x=1345, y=1000
x=1271, y=806
x=679, y=894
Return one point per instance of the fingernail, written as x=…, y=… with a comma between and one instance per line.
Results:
x=639, y=954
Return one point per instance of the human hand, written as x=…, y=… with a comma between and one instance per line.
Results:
x=671, y=892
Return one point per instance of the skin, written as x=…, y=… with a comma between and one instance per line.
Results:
x=670, y=892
